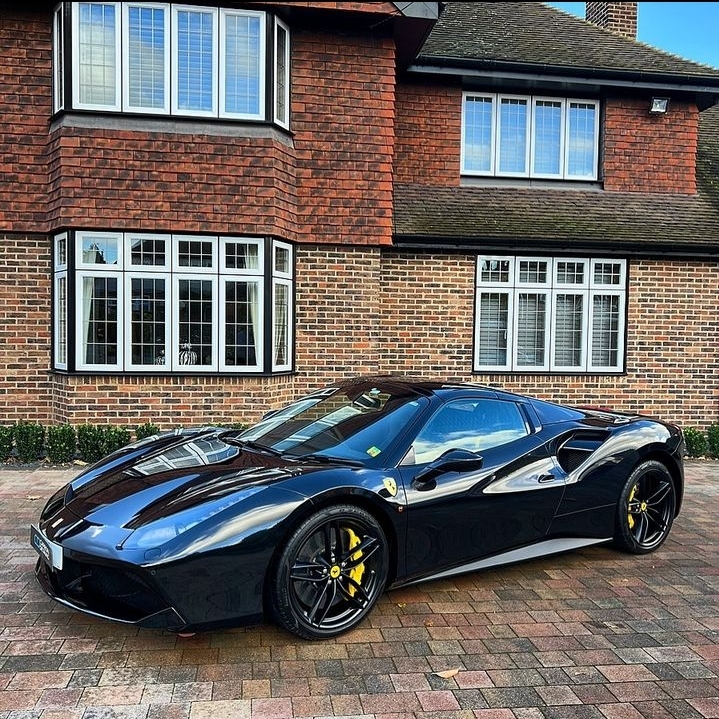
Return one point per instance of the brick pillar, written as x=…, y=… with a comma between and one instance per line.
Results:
x=620, y=17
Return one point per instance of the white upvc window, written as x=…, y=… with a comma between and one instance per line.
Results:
x=282, y=74
x=282, y=304
x=58, y=59
x=158, y=303
x=543, y=314
x=146, y=57
x=60, y=289
x=173, y=59
x=96, y=66
x=529, y=136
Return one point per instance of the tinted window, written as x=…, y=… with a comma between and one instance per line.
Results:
x=474, y=425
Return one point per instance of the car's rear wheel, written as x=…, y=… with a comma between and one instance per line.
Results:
x=646, y=509
x=330, y=572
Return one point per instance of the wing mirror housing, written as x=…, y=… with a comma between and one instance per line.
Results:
x=453, y=460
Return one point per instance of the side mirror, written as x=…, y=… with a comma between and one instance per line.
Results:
x=453, y=460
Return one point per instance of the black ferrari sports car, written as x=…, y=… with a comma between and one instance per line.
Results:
x=309, y=515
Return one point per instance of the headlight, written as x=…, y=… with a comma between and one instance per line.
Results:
x=161, y=531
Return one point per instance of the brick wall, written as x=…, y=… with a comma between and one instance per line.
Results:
x=429, y=120
x=25, y=107
x=24, y=328
x=672, y=346
x=650, y=153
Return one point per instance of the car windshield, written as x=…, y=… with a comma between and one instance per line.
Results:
x=357, y=423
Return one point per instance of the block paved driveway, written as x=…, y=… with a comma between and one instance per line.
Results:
x=589, y=635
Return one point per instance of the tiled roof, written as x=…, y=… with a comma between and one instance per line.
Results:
x=535, y=34
x=503, y=218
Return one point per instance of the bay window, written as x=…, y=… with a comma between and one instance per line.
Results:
x=171, y=59
x=543, y=314
x=526, y=136
x=149, y=303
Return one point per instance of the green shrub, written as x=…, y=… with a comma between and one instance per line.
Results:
x=29, y=440
x=696, y=442
x=61, y=444
x=713, y=440
x=146, y=430
x=115, y=438
x=5, y=443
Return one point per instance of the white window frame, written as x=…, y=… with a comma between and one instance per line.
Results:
x=587, y=288
x=282, y=122
x=58, y=55
x=128, y=239
x=115, y=237
x=126, y=104
x=76, y=103
x=259, y=340
x=61, y=298
x=222, y=64
x=530, y=140
x=175, y=323
x=176, y=110
x=79, y=305
x=177, y=267
x=283, y=278
x=152, y=368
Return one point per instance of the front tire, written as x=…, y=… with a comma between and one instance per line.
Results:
x=646, y=509
x=330, y=573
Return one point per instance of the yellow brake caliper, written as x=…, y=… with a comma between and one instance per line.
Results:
x=356, y=572
x=629, y=504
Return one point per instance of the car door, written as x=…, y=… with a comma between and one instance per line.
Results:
x=477, y=509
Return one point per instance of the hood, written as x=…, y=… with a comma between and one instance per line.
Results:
x=171, y=473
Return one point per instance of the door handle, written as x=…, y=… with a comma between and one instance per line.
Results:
x=544, y=478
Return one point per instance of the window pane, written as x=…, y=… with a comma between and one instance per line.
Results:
x=478, y=134
x=146, y=47
x=282, y=318
x=148, y=251
x=533, y=272
x=580, y=143
x=494, y=271
x=193, y=253
x=61, y=320
x=99, y=320
x=605, y=331
x=282, y=259
x=58, y=59
x=282, y=72
x=570, y=273
x=242, y=64
x=493, y=329
x=147, y=321
x=547, y=137
x=195, y=322
x=195, y=60
x=607, y=273
x=242, y=256
x=99, y=250
x=97, y=54
x=568, y=341
x=242, y=323
x=531, y=329
x=513, y=135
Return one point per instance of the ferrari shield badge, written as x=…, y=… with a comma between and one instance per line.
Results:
x=390, y=485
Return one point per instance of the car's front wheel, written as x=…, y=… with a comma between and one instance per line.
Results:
x=330, y=573
x=646, y=509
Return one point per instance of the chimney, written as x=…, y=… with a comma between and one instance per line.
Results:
x=620, y=17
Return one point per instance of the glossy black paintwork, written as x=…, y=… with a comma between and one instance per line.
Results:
x=215, y=572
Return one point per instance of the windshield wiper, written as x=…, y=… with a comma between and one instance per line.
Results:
x=328, y=459
x=251, y=444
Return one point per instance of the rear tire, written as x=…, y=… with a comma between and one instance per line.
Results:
x=331, y=572
x=646, y=508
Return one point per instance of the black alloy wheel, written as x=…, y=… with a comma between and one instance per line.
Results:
x=646, y=509
x=330, y=573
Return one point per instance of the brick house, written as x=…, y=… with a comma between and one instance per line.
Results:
x=208, y=209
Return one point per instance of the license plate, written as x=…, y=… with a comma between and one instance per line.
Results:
x=49, y=551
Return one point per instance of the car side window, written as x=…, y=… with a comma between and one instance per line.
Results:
x=474, y=425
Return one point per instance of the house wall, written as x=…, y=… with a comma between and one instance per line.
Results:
x=672, y=343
